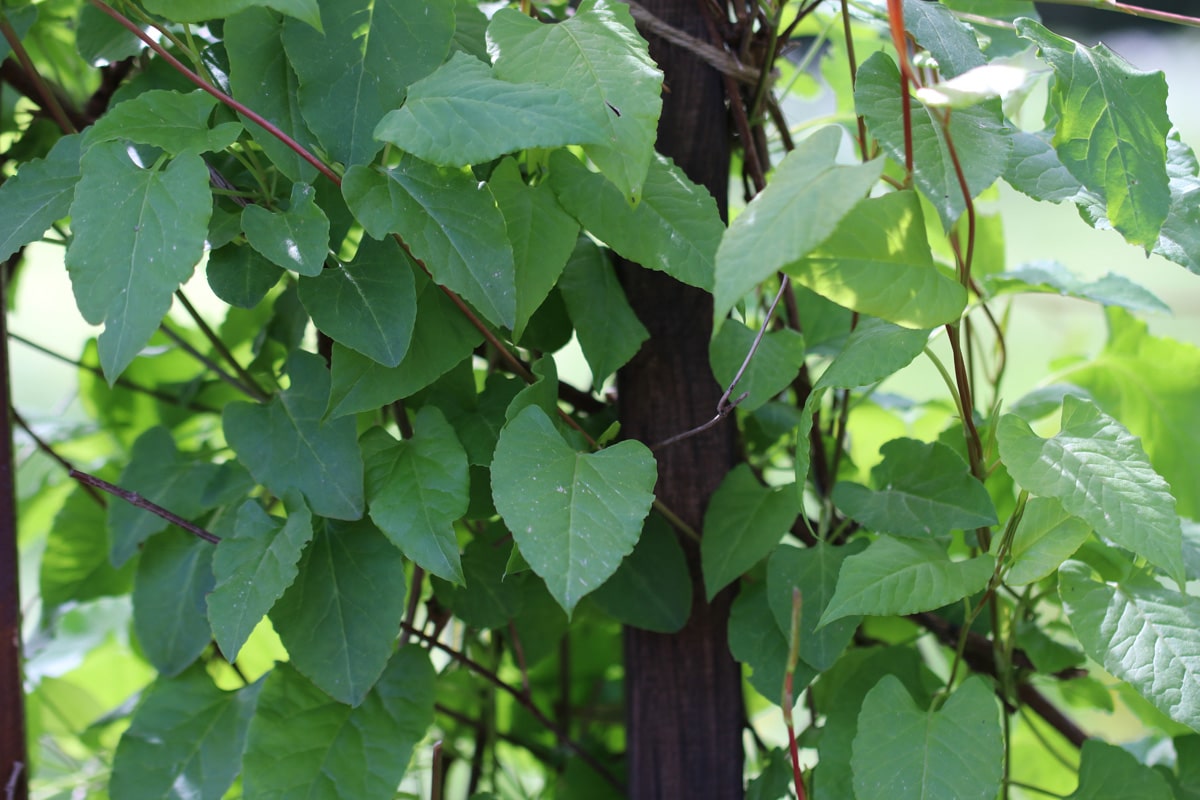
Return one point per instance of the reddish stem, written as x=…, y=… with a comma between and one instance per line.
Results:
x=907, y=79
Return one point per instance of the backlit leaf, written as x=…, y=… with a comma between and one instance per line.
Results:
x=743, y=523
x=874, y=350
x=573, y=515
x=75, y=565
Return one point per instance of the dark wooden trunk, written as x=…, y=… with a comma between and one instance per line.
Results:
x=683, y=691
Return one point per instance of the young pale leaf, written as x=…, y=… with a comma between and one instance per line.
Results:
x=951, y=43
x=1150, y=382
x=573, y=515
x=369, y=304
x=287, y=445
x=776, y=363
x=38, y=195
x=874, y=350
x=878, y=262
x=598, y=56
x=252, y=569
x=189, y=11
x=139, y=233
x=541, y=233
x=262, y=79
x=339, y=617
x=359, y=70
x=158, y=472
x=1110, y=290
x=177, y=123
x=902, y=750
x=808, y=197
x=74, y=566
x=302, y=744
x=296, y=239
x=814, y=572
x=922, y=490
x=1099, y=472
x=417, y=488
x=755, y=640
x=676, y=227
x=609, y=332
x=652, y=588
x=1111, y=130
x=1142, y=633
x=904, y=576
x=979, y=130
x=240, y=275
x=1046, y=537
x=185, y=732
x=1108, y=772
x=173, y=576
x=462, y=115
x=449, y=221
x=743, y=523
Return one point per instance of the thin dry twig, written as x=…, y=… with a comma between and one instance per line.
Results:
x=135, y=499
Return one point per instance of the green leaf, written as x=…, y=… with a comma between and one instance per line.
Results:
x=1099, y=472
x=1179, y=239
x=21, y=19
x=598, y=56
x=449, y=221
x=652, y=589
x=261, y=77
x=184, y=741
x=188, y=11
x=1046, y=537
x=574, y=516
x=1108, y=772
x=102, y=40
x=610, y=334
x=417, y=489
x=359, y=70
x=75, y=566
x=756, y=641
x=676, y=227
x=952, y=753
x=775, y=364
x=743, y=523
x=369, y=304
x=904, y=576
x=878, y=262
x=38, y=195
x=304, y=746
x=139, y=233
x=814, y=571
x=798, y=210
x=1034, y=169
x=240, y=275
x=286, y=445
x=951, y=43
x=295, y=239
x=252, y=568
x=1152, y=384
x=173, y=576
x=874, y=350
x=158, y=473
x=922, y=490
x=1111, y=130
x=177, y=123
x=1141, y=633
x=462, y=115
x=1110, y=290
x=978, y=130
x=485, y=596
x=339, y=617
x=541, y=233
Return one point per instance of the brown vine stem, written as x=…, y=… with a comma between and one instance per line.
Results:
x=220, y=347
x=187, y=347
x=135, y=499
x=49, y=450
x=49, y=99
x=526, y=703
x=1132, y=10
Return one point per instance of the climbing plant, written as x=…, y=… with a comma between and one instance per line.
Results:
x=355, y=503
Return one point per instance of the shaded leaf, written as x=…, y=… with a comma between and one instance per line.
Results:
x=295, y=239
x=286, y=445
x=754, y=640
x=1110, y=290
x=1099, y=472
x=652, y=589
x=809, y=195
x=417, y=489
x=240, y=275
x=874, y=350
x=775, y=364
x=1142, y=633
x=598, y=56
x=38, y=195
x=1046, y=537
x=174, y=574
x=175, y=122
x=573, y=515
x=138, y=234
x=743, y=523
x=814, y=571
x=1108, y=772
x=339, y=617
x=188, y=11
x=302, y=745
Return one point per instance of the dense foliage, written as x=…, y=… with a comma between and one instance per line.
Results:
x=348, y=530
